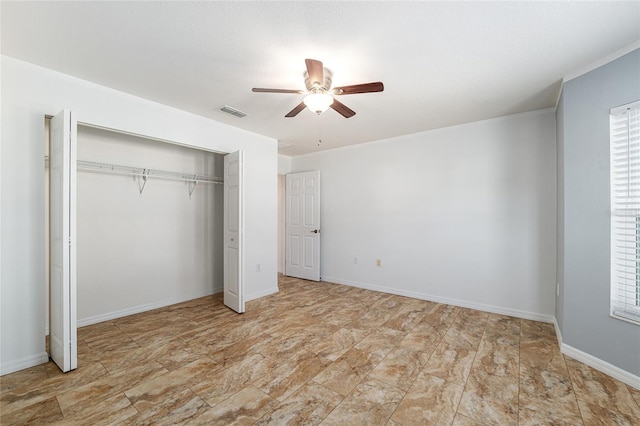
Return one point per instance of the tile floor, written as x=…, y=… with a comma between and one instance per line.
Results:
x=318, y=353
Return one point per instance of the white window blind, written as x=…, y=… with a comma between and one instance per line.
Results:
x=625, y=209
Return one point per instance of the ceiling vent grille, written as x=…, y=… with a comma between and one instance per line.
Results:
x=233, y=111
x=284, y=144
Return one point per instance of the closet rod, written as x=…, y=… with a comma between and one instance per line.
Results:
x=141, y=172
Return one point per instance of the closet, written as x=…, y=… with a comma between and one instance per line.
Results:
x=149, y=223
x=145, y=241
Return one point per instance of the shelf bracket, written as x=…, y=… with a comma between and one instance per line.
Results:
x=145, y=174
x=192, y=185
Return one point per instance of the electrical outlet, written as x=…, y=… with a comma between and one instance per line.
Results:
x=378, y=262
x=258, y=267
x=355, y=260
x=557, y=289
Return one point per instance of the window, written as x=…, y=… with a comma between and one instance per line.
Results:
x=625, y=212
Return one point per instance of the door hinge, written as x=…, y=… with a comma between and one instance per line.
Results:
x=69, y=242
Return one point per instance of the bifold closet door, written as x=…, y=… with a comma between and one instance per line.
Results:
x=62, y=293
x=233, y=232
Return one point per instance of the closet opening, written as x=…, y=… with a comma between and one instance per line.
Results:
x=149, y=224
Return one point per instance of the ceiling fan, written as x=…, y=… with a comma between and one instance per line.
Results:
x=319, y=97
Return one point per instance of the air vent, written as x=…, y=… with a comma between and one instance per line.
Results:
x=233, y=111
x=284, y=144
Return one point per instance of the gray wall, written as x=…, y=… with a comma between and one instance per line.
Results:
x=583, y=118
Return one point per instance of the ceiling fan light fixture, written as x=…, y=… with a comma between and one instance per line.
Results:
x=318, y=102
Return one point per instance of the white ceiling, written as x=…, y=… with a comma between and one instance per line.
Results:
x=442, y=63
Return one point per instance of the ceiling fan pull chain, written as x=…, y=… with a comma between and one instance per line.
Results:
x=319, y=132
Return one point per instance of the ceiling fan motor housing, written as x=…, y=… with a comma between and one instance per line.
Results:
x=316, y=86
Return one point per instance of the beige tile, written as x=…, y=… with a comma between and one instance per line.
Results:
x=108, y=386
x=308, y=406
x=504, y=324
x=596, y=415
x=344, y=374
x=172, y=360
x=28, y=377
x=442, y=314
x=43, y=412
x=490, y=399
x=406, y=321
x=118, y=362
x=466, y=336
x=151, y=392
x=596, y=388
x=180, y=408
x=238, y=351
x=423, y=337
x=288, y=377
x=547, y=398
x=451, y=363
x=430, y=400
x=543, y=355
x=23, y=396
x=496, y=359
x=400, y=368
x=339, y=342
x=113, y=345
x=157, y=335
x=224, y=383
x=114, y=409
x=335, y=354
x=529, y=417
x=243, y=408
x=282, y=349
x=461, y=420
x=371, y=403
x=536, y=331
x=546, y=384
x=635, y=393
x=381, y=342
x=98, y=331
x=472, y=317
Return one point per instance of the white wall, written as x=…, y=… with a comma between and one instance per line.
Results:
x=462, y=215
x=28, y=94
x=157, y=247
x=284, y=164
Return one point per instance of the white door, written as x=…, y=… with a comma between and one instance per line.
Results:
x=302, y=229
x=233, y=232
x=62, y=297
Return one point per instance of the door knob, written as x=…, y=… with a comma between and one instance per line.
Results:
x=316, y=231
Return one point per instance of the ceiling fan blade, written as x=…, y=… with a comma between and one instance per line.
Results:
x=296, y=110
x=262, y=90
x=342, y=109
x=359, y=88
x=315, y=71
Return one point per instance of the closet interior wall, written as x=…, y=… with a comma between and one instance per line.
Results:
x=139, y=250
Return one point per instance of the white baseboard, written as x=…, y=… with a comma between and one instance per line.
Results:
x=446, y=300
x=144, y=308
x=259, y=294
x=600, y=365
x=22, y=363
